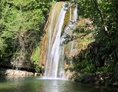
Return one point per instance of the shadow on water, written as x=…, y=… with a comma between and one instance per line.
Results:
x=34, y=84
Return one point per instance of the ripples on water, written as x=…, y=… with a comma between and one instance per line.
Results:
x=34, y=84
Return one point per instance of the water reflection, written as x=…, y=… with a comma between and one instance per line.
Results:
x=52, y=87
x=33, y=84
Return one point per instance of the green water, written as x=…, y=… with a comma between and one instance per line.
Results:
x=35, y=84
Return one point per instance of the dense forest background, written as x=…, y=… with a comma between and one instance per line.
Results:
x=21, y=30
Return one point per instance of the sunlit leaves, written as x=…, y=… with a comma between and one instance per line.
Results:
x=19, y=2
x=21, y=18
x=104, y=14
x=2, y=45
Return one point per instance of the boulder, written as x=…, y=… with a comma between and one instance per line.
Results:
x=10, y=72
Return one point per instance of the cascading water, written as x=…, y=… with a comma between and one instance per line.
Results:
x=69, y=32
x=54, y=67
x=53, y=53
x=74, y=27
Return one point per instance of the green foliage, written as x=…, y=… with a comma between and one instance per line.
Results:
x=22, y=22
x=2, y=45
x=35, y=58
x=90, y=68
x=102, y=52
x=21, y=25
x=107, y=68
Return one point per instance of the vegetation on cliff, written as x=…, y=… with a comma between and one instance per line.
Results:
x=21, y=28
x=100, y=55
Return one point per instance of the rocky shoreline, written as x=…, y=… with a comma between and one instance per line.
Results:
x=18, y=73
x=100, y=79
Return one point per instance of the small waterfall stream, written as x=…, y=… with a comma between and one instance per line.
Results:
x=54, y=52
x=54, y=67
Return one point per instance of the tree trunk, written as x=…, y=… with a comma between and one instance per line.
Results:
x=101, y=15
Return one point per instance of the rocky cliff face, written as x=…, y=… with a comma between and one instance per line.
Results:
x=74, y=42
x=15, y=73
x=44, y=43
x=81, y=38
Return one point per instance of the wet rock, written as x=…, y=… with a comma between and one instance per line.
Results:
x=97, y=79
x=88, y=78
x=10, y=72
x=37, y=74
x=115, y=84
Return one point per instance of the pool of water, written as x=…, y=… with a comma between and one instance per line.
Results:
x=35, y=84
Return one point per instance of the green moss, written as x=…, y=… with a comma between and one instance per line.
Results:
x=67, y=16
x=88, y=40
x=35, y=58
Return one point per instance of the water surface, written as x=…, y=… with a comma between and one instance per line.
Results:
x=35, y=84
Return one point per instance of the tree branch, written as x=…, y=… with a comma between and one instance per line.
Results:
x=101, y=15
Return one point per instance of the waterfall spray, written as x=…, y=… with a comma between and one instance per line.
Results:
x=54, y=67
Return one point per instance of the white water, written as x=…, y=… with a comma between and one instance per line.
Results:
x=50, y=36
x=55, y=51
x=75, y=15
x=71, y=26
x=69, y=31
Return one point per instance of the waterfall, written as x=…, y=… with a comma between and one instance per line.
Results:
x=54, y=67
x=71, y=26
x=53, y=55
x=74, y=27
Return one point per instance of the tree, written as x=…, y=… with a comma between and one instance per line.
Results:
x=21, y=27
x=103, y=13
